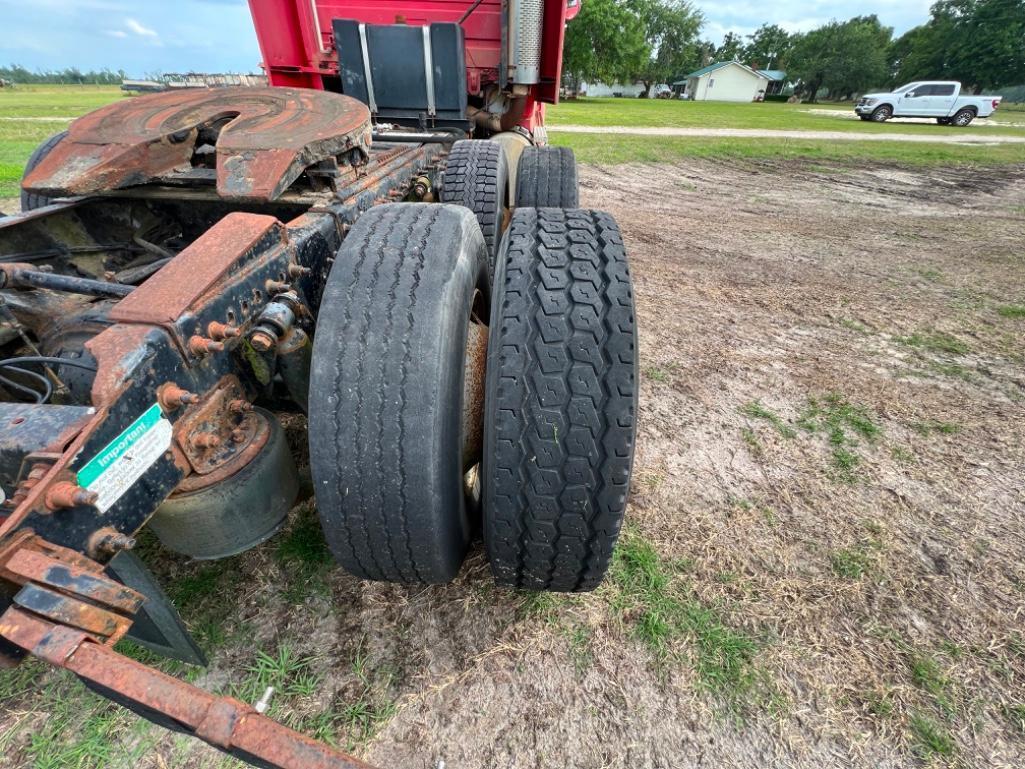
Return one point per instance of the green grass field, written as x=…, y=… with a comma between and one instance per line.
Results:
x=611, y=149
x=663, y=113
x=29, y=114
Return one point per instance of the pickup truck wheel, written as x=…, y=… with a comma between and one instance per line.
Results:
x=402, y=315
x=547, y=178
x=476, y=177
x=882, y=114
x=560, y=400
x=963, y=118
x=29, y=200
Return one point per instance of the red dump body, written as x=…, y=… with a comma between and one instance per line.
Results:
x=297, y=42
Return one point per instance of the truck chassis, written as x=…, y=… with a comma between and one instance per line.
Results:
x=176, y=289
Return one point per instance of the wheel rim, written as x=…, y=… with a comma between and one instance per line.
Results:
x=964, y=118
x=881, y=115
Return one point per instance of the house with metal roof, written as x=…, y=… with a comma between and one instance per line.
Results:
x=724, y=81
x=777, y=81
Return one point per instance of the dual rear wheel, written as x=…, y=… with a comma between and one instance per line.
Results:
x=417, y=439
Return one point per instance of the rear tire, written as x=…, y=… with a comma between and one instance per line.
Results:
x=476, y=178
x=560, y=400
x=386, y=392
x=547, y=178
x=30, y=201
x=963, y=118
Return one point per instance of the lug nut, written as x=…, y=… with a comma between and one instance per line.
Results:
x=218, y=330
x=238, y=435
x=206, y=441
x=67, y=494
x=171, y=396
x=200, y=345
x=262, y=341
x=110, y=541
x=239, y=406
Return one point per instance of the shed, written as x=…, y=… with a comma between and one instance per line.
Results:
x=725, y=81
x=777, y=81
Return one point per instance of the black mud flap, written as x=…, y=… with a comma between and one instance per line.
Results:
x=157, y=626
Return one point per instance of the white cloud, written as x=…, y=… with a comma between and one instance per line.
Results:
x=139, y=29
x=118, y=33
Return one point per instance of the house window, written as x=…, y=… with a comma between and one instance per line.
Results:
x=711, y=82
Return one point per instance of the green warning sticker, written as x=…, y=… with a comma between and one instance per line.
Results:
x=123, y=461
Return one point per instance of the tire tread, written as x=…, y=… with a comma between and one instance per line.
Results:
x=546, y=177
x=561, y=407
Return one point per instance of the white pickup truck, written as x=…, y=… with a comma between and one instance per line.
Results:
x=940, y=99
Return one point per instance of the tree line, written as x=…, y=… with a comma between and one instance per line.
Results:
x=70, y=76
x=979, y=42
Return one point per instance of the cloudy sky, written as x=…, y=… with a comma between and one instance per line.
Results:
x=217, y=35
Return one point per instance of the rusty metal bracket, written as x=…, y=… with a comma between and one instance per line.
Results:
x=226, y=723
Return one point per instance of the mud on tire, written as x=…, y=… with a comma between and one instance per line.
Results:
x=386, y=392
x=561, y=400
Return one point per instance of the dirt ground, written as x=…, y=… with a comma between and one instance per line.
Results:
x=830, y=464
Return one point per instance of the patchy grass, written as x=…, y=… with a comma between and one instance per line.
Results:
x=851, y=562
x=1012, y=311
x=842, y=423
x=658, y=374
x=611, y=149
x=1016, y=715
x=285, y=670
x=304, y=553
x=367, y=712
x=665, y=616
x=930, y=738
x=935, y=341
x=933, y=426
x=756, y=410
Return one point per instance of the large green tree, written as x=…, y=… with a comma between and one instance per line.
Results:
x=731, y=49
x=769, y=47
x=979, y=42
x=605, y=42
x=671, y=30
x=843, y=57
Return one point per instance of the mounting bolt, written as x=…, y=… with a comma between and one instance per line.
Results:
x=67, y=494
x=298, y=271
x=200, y=345
x=171, y=396
x=262, y=341
x=109, y=541
x=238, y=435
x=239, y=406
x=206, y=441
x=276, y=287
x=217, y=330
